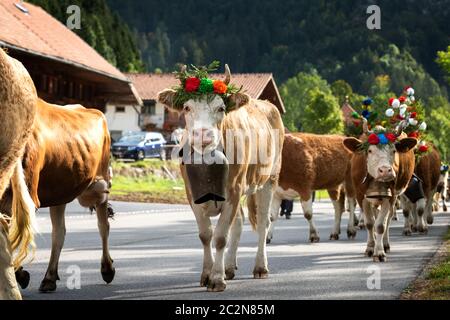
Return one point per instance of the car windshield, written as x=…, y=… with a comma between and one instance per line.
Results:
x=132, y=139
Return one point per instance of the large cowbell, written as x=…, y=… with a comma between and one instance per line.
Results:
x=414, y=192
x=207, y=179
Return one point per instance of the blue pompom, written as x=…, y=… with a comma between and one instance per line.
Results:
x=383, y=139
x=367, y=101
x=365, y=114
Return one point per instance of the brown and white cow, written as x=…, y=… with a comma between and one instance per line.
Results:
x=261, y=123
x=67, y=157
x=419, y=214
x=17, y=113
x=390, y=164
x=314, y=162
x=441, y=192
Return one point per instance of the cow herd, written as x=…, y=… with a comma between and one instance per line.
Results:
x=51, y=155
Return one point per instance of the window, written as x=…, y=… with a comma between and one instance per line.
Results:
x=149, y=108
x=120, y=109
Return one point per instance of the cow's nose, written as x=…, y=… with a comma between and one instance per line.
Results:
x=204, y=135
x=385, y=171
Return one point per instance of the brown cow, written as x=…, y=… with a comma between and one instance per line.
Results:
x=17, y=113
x=391, y=166
x=257, y=125
x=428, y=170
x=314, y=162
x=68, y=157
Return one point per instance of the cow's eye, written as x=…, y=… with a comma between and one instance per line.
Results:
x=221, y=109
x=370, y=151
x=187, y=108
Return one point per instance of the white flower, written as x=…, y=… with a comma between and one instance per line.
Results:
x=423, y=126
x=402, y=111
x=395, y=103
x=412, y=121
x=410, y=91
x=411, y=98
x=390, y=112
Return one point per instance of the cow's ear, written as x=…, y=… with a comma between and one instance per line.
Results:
x=167, y=97
x=238, y=100
x=352, y=144
x=406, y=144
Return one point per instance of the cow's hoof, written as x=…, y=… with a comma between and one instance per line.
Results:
x=414, y=229
x=356, y=222
x=379, y=258
x=47, y=285
x=387, y=248
x=369, y=252
x=204, y=279
x=334, y=236
x=351, y=234
x=108, y=275
x=362, y=226
x=23, y=278
x=422, y=230
x=217, y=285
x=430, y=219
x=314, y=238
x=394, y=218
x=406, y=232
x=260, y=273
x=229, y=274
x=268, y=240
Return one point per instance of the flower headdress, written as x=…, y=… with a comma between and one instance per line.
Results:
x=196, y=84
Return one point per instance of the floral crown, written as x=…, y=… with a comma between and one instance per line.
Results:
x=196, y=84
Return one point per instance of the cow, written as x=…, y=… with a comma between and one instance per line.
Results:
x=67, y=157
x=388, y=167
x=18, y=99
x=208, y=122
x=442, y=188
x=313, y=162
x=419, y=214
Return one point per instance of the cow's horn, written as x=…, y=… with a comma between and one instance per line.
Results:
x=399, y=128
x=227, y=75
x=365, y=126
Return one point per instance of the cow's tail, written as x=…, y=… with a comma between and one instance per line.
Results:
x=252, y=213
x=23, y=217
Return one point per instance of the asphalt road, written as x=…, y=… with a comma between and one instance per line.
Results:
x=158, y=255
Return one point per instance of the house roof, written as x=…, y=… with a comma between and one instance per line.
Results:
x=38, y=33
x=148, y=84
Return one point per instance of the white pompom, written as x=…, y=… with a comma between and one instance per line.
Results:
x=412, y=121
x=423, y=126
x=412, y=98
x=410, y=91
x=395, y=103
x=402, y=111
x=390, y=112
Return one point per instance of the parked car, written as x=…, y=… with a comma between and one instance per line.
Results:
x=140, y=145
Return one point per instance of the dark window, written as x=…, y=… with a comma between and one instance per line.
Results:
x=120, y=109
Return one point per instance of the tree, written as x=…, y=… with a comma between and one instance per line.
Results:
x=310, y=104
x=437, y=113
x=443, y=60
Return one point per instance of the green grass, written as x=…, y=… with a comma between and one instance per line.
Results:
x=145, y=164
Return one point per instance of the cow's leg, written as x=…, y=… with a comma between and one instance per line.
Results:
x=235, y=236
x=420, y=212
x=107, y=270
x=380, y=226
x=369, y=220
x=428, y=208
x=334, y=196
x=386, y=242
x=263, y=201
x=217, y=278
x=407, y=208
x=444, y=206
x=307, y=207
x=8, y=285
x=58, y=234
x=351, y=227
x=274, y=212
x=205, y=233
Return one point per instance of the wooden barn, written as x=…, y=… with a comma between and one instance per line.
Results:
x=65, y=69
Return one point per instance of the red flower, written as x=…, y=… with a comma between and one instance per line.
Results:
x=402, y=99
x=391, y=100
x=192, y=84
x=391, y=137
x=220, y=87
x=406, y=88
x=423, y=148
x=373, y=139
x=414, y=134
x=399, y=117
x=413, y=115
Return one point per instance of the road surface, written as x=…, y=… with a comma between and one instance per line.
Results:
x=158, y=255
